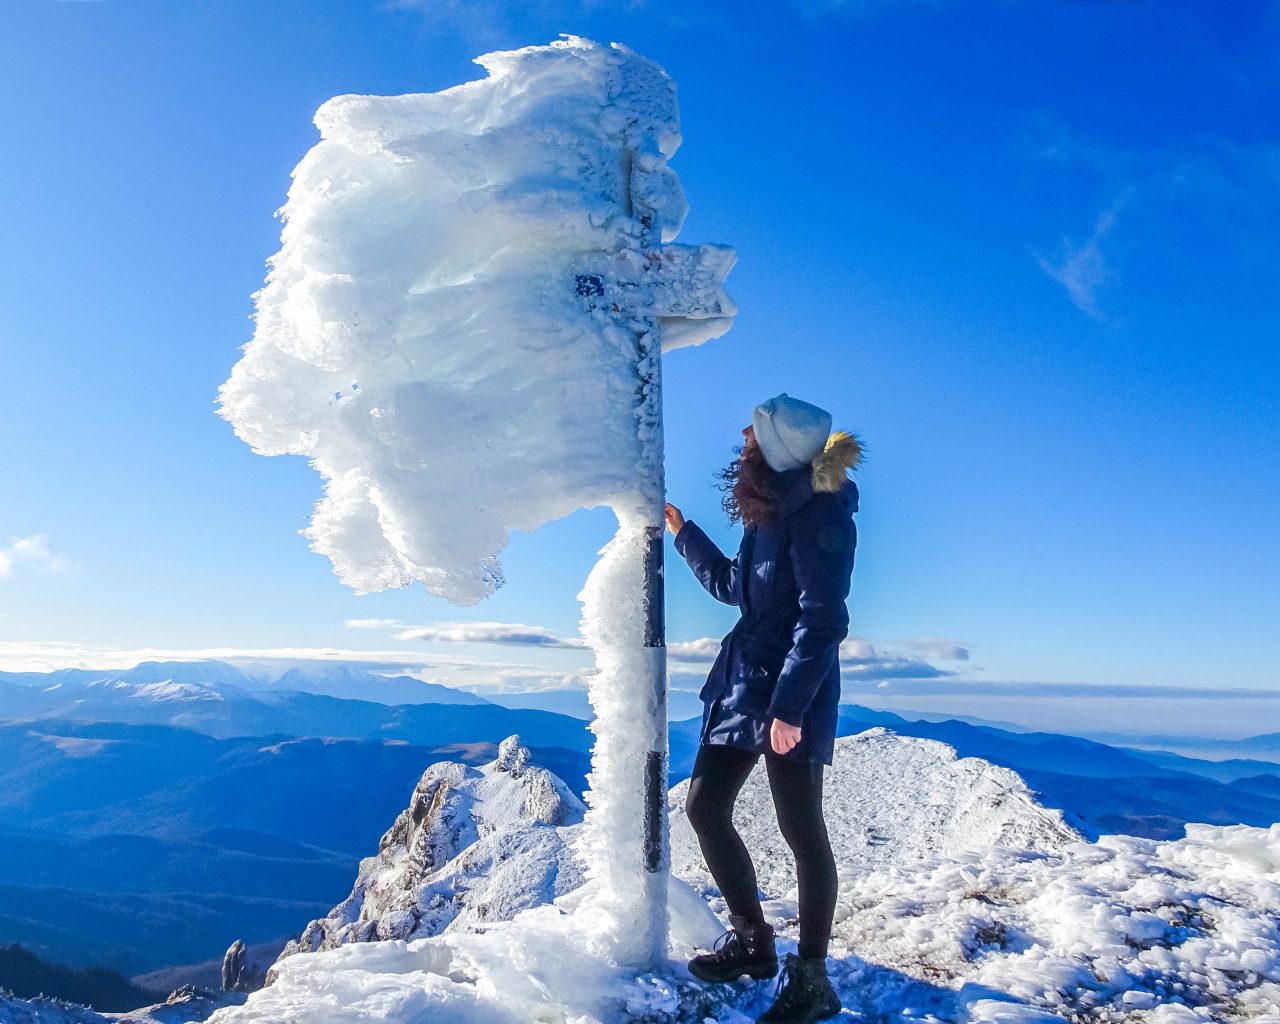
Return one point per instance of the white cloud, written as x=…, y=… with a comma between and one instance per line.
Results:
x=32, y=552
x=460, y=671
x=1081, y=707
x=373, y=623
x=703, y=649
x=938, y=649
x=524, y=680
x=513, y=633
x=1084, y=708
x=1082, y=269
x=1223, y=186
x=1082, y=691
x=859, y=658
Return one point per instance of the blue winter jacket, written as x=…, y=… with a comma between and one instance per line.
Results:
x=790, y=579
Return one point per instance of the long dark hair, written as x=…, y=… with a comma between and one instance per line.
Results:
x=750, y=488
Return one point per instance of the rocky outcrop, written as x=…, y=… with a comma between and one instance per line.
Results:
x=474, y=845
x=242, y=972
x=186, y=1005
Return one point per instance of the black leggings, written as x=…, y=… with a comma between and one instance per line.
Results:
x=718, y=775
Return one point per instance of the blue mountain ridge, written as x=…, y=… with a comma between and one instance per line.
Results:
x=143, y=824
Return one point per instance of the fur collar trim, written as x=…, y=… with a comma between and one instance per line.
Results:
x=842, y=454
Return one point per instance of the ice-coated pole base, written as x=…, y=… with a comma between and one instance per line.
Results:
x=655, y=774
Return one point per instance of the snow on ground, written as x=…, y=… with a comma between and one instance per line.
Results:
x=45, y=1011
x=474, y=845
x=889, y=799
x=1122, y=929
x=953, y=930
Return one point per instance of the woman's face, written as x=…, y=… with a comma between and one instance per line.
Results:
x=748, y=436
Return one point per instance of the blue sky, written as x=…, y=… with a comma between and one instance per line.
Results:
x=1026, y=250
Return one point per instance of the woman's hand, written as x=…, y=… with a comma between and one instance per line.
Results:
x=782, y=737
x=675, y=519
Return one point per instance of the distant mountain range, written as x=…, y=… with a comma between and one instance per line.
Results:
x=574, y=703
x=149, y=816
x=333, y=679
x=961, y=896
x=1265, y=746
x=223, y=709
x=138, y=846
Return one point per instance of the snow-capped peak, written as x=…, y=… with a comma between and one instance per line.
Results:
x=888, y=799
x=474, y=845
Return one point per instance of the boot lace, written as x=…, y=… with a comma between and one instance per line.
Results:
x=790, y=992
x=728, y=945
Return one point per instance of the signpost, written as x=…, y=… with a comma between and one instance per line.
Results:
x=463, y=332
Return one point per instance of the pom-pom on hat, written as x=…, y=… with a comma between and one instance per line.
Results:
x=790, y=432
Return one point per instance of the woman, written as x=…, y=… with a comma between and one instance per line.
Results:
x=775, y=685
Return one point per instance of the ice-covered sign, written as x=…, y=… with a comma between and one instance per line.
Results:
x=463, y=331
x=454, y=328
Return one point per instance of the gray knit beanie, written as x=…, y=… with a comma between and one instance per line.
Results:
x=790, y=432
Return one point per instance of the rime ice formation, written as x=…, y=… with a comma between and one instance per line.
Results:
x=474, y=845
x=438, y=334
x=45, y=1011
x=185, y=1005
x=934, y=926
x=463, y=331
x=890, y=799
x=1167, y=932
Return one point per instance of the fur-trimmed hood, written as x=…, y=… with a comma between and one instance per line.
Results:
x=828, y=473
x=832, y=465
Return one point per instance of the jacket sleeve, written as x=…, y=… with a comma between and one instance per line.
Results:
x=714, y=571
x=821, y=550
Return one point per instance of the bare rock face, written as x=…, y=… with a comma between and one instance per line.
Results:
x=239, y=972
x=474, y=845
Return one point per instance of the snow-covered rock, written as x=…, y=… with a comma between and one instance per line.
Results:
x=184, y=1006
x=1123, y=929
x=45, y=1011
x=888, y=799
x=187, y=1005
x=970, y=905
x=475, y=845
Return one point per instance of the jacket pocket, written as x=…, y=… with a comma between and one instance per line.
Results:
x=752, y=672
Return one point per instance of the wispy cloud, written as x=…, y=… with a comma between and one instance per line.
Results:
x=1226, y=188
x=859, y=658
x=461, y=671
x=1082, y=268
x=32, y=552
x=524, y=680
x=938, y=649
x=513, y=633
x=1082, y=708
x=373, y=624
x=1081, y=691
x=1062, y=707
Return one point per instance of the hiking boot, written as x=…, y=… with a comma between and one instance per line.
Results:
x=746, y=948
x=804, y=995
